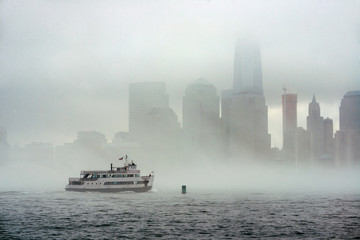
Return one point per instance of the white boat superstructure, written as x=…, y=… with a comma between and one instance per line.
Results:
x=116, y=179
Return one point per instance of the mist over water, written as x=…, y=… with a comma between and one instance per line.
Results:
x=257, y=178
x=213, y=175
x=232, y=199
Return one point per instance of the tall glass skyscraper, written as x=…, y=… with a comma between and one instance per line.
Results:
x=244, y=111
x=350, y=111
x=247, y=68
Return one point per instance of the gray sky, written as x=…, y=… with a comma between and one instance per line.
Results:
x=66, y=65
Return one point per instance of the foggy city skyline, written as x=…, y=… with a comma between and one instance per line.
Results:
x=191, y=119
x=66, y=68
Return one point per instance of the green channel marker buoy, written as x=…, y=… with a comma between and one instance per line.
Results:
x=183, y=189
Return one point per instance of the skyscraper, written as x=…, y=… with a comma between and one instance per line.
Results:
x=315, y=124
x=143, y=97
x=350, y=111
x=201, y=120
x=348, y=138
x=322, y=140
x=248, y=126
x=302, y=147
x=163, y=127
x=289, y=103
x=244, y=111
x=329, y=137
x=247, y=68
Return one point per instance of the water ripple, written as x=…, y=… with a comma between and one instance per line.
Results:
x=163, y=215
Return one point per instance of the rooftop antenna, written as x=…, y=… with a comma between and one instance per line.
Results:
x=284, y=111
x=284, y=89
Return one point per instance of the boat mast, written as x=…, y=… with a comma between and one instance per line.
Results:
x=126, y=160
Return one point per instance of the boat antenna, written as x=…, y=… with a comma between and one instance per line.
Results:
x=126, y=159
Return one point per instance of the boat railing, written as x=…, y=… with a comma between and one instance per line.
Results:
x=121, y=170
x=90, y=179
x=107, y=172
x=74, y=179
x=94, y=172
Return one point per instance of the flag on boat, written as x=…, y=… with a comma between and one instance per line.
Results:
x=121, y=158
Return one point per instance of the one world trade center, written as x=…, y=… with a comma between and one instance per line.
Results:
x=247, y=68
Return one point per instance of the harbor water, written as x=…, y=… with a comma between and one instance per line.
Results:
x=172, y=215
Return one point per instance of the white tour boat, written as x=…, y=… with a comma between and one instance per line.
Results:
x=117, y=179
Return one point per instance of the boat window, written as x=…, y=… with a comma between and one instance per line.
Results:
x=121, y=183
x=137, y=175
x=130, y=175
x=118, y=176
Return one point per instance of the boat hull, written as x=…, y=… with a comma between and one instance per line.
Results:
x=138, y=189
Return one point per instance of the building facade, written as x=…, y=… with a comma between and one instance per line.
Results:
x=289, y=109
x=247, y=67
x=248, y=127
x=303, y=148
x=350, y=111
x=315, y=124
x=348, y=137
x=143, y=97
x=201, y=120
x=329, y=141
